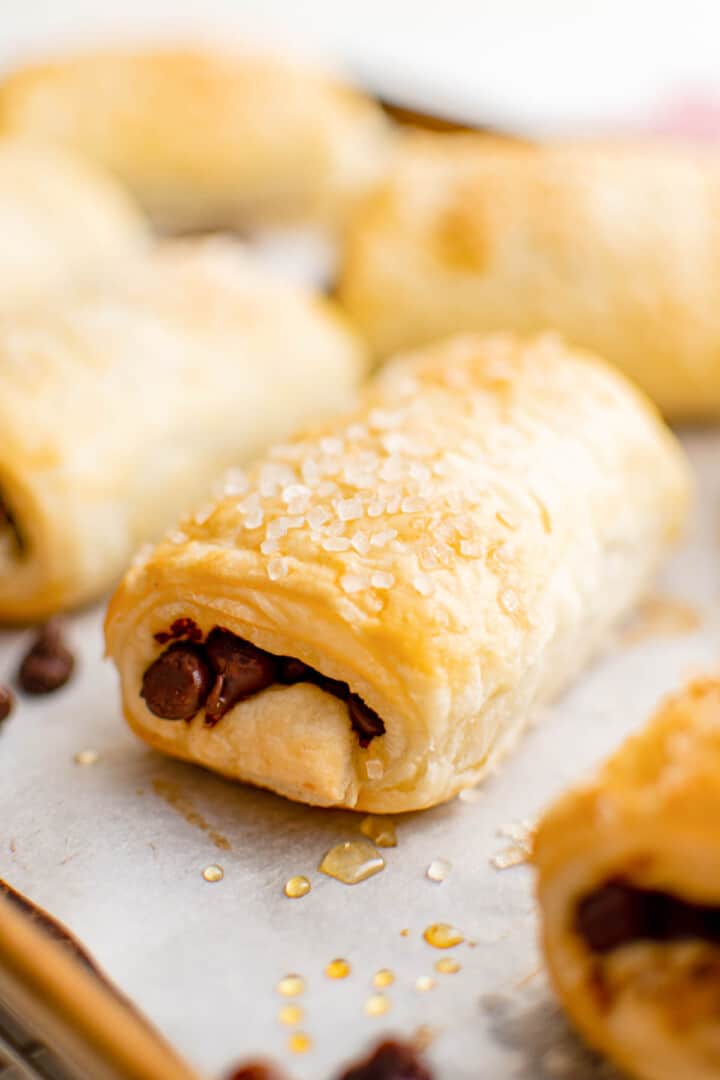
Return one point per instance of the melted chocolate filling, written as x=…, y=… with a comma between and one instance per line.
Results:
x=619, y=914
x=218, y=673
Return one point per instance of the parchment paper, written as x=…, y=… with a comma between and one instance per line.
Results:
x=116, y=850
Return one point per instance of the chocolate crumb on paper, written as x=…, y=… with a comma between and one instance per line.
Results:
x=391, y=1060
x=257, y=1070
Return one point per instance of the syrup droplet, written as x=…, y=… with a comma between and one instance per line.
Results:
x=442, y=936
x=439, y=869
x=213, y=873
x=382, y=978
x=291, y=986
x=405, y=933
x=86, y=757
x=352, y=862
x=377, y=1005
x=337, y=969
x=447, y=965
x=425, y=982
x=290, y=1015
x=299, y=1043
x=380, y=830
x=296, y=887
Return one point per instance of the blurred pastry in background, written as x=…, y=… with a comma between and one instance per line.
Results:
x=122, y=401
x=629, y=891
x=208, y=139
x=369, y=622
x=61, y=219
x=615, y=246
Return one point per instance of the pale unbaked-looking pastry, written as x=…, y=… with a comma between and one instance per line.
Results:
x=370, y=621
x=629, y=890
x=206, y=138
x=122, y=402
x=617, y=247
x=61, y=219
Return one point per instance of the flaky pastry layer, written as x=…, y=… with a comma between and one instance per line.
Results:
x=207, y=138
x=644, y=989
x=122, y=402
x=61, y=220
x=615, y=246
x=454, y=551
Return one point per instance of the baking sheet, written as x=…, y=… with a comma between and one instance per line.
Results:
x=116, y=850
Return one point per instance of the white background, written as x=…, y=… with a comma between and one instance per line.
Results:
x=545, y=64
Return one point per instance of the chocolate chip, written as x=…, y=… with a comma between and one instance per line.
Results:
x=49, y=663
x=365, y=721
x=256, y=1070
x=241, y=670
x=177, y=684
x=6, y=702
x=391, y=1060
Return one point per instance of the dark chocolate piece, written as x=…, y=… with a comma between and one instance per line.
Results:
x=6, y=701
x=293, y=671
x=618, y=914
x=256, y=1070
x=241, y=670
x=49, y=663
x=365, y=721
x=180, y=629
x=176, y=685
x=391, y=1060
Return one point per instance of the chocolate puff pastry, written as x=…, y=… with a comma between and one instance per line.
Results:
x=629, y=890
x=617, y=247
x=370, y=621
x=122, y=401
x=60, y=220
x=207, y=139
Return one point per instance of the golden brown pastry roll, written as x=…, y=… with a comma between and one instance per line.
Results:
x=122, y=402
x=369, y=623
x=60, y=220
x=615, y=246
x=629, y=891
x=208, y=139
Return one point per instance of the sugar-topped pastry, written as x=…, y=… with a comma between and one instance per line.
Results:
x=123, y=401
x=368, y=621
x=614, y=245
x=629, y=891
x=61, y=220
x=208, y=138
